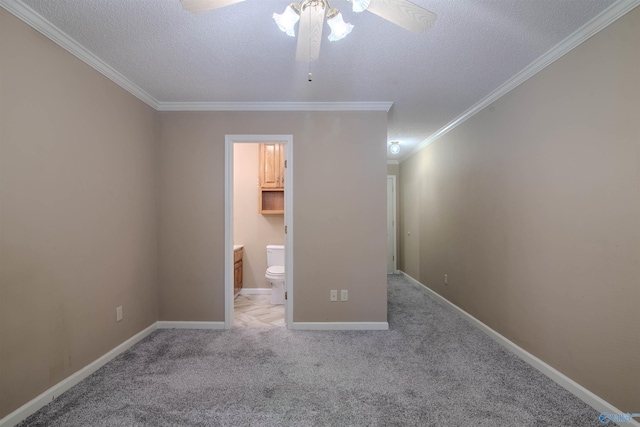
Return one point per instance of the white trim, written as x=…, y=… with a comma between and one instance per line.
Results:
x=39, y=23
x=415, y=282
x=288, y=221
x=255, y=291
x=274, y=106
x=228, y=221
x=49, y=395
x=340, y=326
x=561, y=379
x=36, y=21
x=394, y=215
x=606, y=17
x=393, y=162
x=228, y=233
x=190, y=325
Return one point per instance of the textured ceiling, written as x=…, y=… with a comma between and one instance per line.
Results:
x=237, y=54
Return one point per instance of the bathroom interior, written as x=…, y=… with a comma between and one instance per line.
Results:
x=258, y=234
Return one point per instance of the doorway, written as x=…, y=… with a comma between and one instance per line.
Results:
x=391, y=225
x=231, y=255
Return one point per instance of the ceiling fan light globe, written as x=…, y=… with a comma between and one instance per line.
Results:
x=339, y=28
x=360, y=5
x=287, y=20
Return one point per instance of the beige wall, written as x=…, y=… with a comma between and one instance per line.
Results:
x=339, y=170
x=77, y=214
x=532, y=208
x=251, y=229
x=408, y=219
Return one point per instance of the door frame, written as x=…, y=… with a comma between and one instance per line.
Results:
x=395, y=222
x=228, y=221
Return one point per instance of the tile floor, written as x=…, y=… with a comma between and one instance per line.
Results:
x=256, y=311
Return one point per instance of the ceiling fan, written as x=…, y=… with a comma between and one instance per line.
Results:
x=311, y=15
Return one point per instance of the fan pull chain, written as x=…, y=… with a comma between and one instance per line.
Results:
x=309, y=41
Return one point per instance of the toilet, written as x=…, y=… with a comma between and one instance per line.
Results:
x=275, y=272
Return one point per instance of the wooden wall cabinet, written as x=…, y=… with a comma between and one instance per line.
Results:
x=271, y=168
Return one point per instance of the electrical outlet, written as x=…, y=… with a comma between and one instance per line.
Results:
x=344, y=295
x=333, y=296
x=446, y=279
x=119, y=314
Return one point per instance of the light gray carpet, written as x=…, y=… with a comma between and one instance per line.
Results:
x=430, y=369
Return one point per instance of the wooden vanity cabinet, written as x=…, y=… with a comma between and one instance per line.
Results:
x=237, y=271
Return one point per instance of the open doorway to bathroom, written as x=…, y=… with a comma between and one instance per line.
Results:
x=258, y=231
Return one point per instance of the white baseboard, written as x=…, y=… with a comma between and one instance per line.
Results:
x=340, y=326
x=190, y=325
x=576, y=389
x=49, y=395
x=561, y=379
x=255, y=291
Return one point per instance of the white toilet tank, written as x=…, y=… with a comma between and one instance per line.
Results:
x=275, y=255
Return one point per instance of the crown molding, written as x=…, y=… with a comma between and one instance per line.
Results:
x=393, y=162
x=274, y=106
x=599, y=22
x=36, y=21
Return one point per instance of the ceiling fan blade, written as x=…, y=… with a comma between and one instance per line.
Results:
x=403, y=13
x=204, y=5
x=310, y=34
